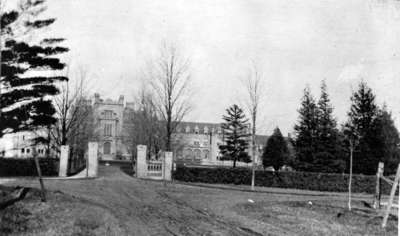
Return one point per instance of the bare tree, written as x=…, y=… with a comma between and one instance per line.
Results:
x=73, y=112
x=253, y=86
x=170, y=79
x=142, y=123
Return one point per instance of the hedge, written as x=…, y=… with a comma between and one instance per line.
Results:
x=297, y=180
x=27, y=167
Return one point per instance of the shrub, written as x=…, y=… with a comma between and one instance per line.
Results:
x=281, y=179
x=27, y=167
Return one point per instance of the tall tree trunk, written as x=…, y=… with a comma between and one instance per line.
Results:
x=169, y=131
x=64, y=133
x=48, y=141
x=253, y=150
x=351, y=172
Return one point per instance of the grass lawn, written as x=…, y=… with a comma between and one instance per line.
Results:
x=117, y=204
x=60, y=215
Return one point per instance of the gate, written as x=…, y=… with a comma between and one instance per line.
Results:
x=155, y=169
x=76, y=161
x=149, y=169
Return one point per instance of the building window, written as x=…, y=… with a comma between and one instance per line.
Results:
x=28, y=150
x=108, y=114
x=197, y=153
x=187, y=129
x=206, y=154
x=108, y=129
x=23, y=150
x=179, y=154
x=107, y=148
x=196, y=130
x=189, y=154
x=196, y=143
x=206, y=130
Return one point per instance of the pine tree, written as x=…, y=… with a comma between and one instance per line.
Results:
x=327, y=131
x=236, y=136
x=275, y=152
x=329, y=152
x=306, y=132
x=361, y=129
x=26, y=84
x=386, y=140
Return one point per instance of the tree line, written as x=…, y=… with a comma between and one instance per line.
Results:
x=321, y=146
x=35, y=94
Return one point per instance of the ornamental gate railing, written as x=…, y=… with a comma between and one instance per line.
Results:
x=150, y=169
x=155, y=169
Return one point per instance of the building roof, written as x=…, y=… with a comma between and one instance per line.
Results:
x=200, y=127
x=182, y=128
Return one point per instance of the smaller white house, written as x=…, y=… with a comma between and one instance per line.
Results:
x=21, y=145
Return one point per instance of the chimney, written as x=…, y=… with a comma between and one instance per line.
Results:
x=96, y=98
x=121, y=99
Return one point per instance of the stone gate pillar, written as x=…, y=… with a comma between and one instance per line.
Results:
x=141, y=165
x=62, y=171
x=167, y=165
x=92, y=163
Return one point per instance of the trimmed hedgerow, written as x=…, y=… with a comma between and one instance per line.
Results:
x=26, y=167
x=298, y=180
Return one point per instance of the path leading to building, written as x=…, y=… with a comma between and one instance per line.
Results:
x=145, y=207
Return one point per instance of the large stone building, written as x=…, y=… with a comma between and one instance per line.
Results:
x=109, y=127
x=193, y=142
x=196, y=142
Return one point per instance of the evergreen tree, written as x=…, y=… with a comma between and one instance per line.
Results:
x=25, y=81
x=386, y=140
x=329, y=152
x=275, y=152
x=361, y=128
x=236, y=136
x=305, y=142
x=326, y=128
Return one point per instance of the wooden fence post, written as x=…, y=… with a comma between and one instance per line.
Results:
x=392, y=193
x=42, y=188
x=379, y=174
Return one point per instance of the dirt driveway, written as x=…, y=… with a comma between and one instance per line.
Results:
x=144, y=207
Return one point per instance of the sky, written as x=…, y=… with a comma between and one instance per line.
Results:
x=295, y=43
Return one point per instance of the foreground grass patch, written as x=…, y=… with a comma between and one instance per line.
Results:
x=316, y=218
x=60, y=215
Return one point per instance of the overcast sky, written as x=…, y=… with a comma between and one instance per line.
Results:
x=295, y=42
